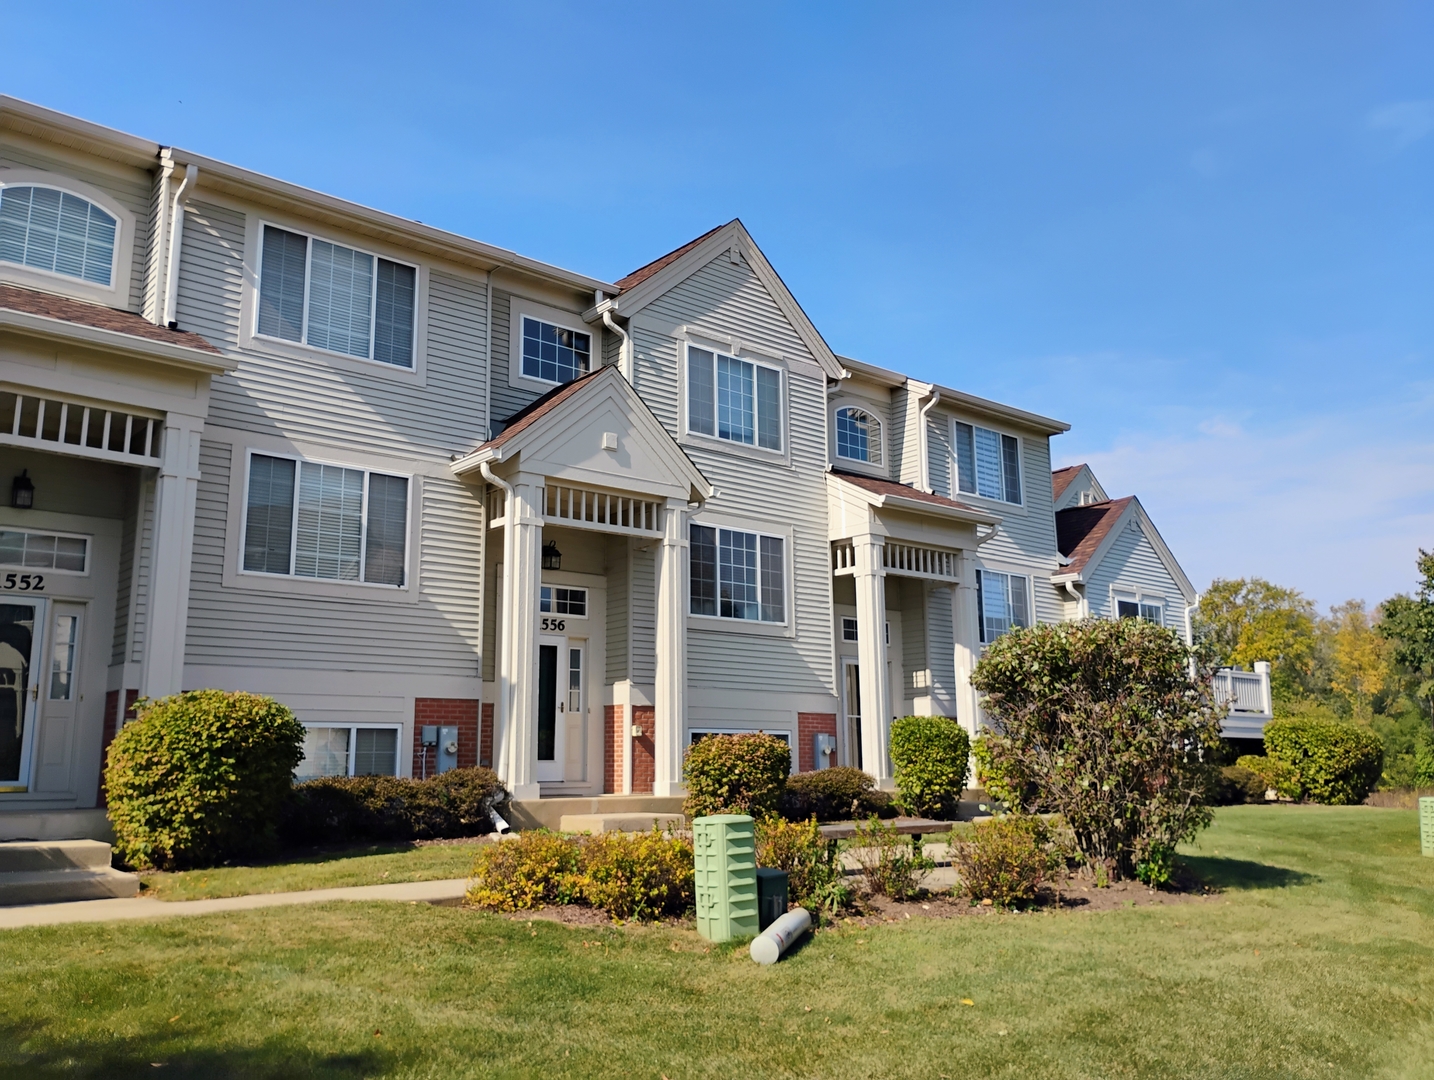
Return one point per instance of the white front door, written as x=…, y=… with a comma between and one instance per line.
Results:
x=59, y=697
x=22, y=638
x=560, y=708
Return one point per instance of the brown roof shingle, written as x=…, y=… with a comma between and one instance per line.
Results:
x=1081, y=529
x=534, y=411
x=33, y=302
x=905, y=491
x=642, y=273
x=1061, y=479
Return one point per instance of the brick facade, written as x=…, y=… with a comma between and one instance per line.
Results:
x=612, y=722
x=809, y=724
x=644, y=755
x=485, y=737
x=111, y=728
x=461, y=713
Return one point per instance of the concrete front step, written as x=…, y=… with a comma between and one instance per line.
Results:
x=42, y=872
x=549, y=813
x=600, y=823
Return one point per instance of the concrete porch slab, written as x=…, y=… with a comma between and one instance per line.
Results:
x=55, y=825
x=600, y=823
x=549, y=813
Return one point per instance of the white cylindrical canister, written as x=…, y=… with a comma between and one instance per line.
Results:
x=768, y=946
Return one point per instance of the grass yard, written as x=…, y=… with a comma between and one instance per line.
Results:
x=377, y=864
x=1317, y=961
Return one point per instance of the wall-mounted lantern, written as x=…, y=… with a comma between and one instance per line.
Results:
x=22, y=491
x=552, y=557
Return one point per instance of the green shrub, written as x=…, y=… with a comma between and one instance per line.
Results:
x=736, y=774
x=889, y=861
x=841, y=793
x=930, y=756
x=814, y=873
x=200, y=777
x=1005, y=860
x=342, y=809
x=628, y=875
x=1271, y=774
x=1157, y=866
x=1237, y=784
x=1338, y=763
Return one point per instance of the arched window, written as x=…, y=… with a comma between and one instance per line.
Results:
x=858, y=436
x=53, y=230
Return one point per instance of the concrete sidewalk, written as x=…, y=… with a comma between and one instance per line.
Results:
x=448, y=892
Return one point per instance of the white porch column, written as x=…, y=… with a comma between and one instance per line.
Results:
x=965, y=620
x=670, y=693
x=518, y=654
x=870, y=581
x=176, y=491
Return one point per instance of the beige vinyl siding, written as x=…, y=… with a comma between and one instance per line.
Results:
x=941, y=643
x=939, y=455
x=125, y=581
x=903, y=440
x=915, y=663
x=298, y=629
x=1132, y=563
x=144, y=565
x=642, y=633
x=723, y=299
x=133, y=195
x=506, y=400
x=619, y=560
x=211, y=273
x=153, y=257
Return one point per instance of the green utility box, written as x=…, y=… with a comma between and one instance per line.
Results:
x=1426, y=826
x=725, y=851
x=771, y=896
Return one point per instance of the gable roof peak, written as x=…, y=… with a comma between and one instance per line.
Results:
x=642, y=273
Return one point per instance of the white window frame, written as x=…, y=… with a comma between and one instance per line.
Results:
x=1029, y=579
x=955, y=464
x=847, y=622
x=714, y=440
x=786, y=628
x=116, y=293
x=878, y=466
x=368, y=363
x=299, y=460
x=1133, y=594
x=587, y=600
x=594, y=349
x=353, y=730
x=520, y=307
x=6, y=568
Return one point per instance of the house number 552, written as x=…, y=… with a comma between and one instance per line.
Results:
x=25, y=582
x=558, y=625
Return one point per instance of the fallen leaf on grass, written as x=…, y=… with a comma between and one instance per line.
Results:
x=175, y=1017
x=967, y=1001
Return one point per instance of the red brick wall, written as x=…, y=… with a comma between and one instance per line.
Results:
x=612, y=722
x=110, y=728
x=644, y=757
x=485, y=737
x=461, y=713
x=809, y=724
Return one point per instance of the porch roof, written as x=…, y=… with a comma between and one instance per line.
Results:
x=905, y=497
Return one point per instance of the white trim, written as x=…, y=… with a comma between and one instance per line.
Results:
x=955, y=463
x=880, y=467
x=736, y=351
x=116, y=293
x=785, y=628
x=86, y=537
x=1029, y=590
x=520, y=307
x=353, y=730
x=251, y=340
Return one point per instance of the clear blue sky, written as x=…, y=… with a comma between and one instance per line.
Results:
x=1202, y=232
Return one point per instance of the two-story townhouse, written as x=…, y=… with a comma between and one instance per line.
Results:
x=457, y=506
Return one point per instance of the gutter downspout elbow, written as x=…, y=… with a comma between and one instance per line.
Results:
x=624, y=362
x=921, y=438
x=176, y=236
x=505, y=629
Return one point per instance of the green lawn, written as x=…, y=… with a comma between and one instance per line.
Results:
x=375, y=865
x=1317, y=961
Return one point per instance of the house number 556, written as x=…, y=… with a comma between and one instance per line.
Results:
x=558, y=625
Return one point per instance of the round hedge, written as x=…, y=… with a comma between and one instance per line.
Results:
x=200, y=778
x=929, y=755
x=736, y=774
x=1337, y=762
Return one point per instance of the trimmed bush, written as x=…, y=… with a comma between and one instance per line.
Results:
x=1005, y=860
x=343, y=809
x=628, y=875
x=929, y=755
x=200, y=777
x=1238, y=784
x=736, y=774
x=814, y=873
x=1270, y=774
x=841, y=793
x=1337, y=763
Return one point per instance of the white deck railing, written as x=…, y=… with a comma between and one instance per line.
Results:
x=903, y=560
x=72, y=427
x=1248, y=695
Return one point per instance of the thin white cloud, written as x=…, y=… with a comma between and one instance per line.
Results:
x=1409, y=121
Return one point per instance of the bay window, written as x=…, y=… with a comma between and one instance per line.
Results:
x=736, y=400
x=737, y=575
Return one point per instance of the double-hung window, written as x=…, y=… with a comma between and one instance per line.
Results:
x=49, y=229
x=738, y=575
x=1003, y=602
x=733, y=399
x=1140, y=609
x=988, y=463
x=858, y=436
x=336, y=298
x=554, y=353
x=307, y=519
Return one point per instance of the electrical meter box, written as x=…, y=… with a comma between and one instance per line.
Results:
x=725, y=858
x=447, y=749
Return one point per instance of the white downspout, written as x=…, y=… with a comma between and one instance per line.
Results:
x=922, y=449
x=176, y=235
x=500, y=714
x=624, y=355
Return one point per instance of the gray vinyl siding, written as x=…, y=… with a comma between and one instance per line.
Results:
x=642, y=635
x=244, y=627
x=914, y=661
x=144, y=564
x=506, y=399
x=134, y=196
x=1132, y=563
x=902, y=440
x=211, y=273
x=124, y=585
x=941, y=643
x=618, y=616
x=939, y=457
x=725, y=299
x=457, y=325
x=149, y=293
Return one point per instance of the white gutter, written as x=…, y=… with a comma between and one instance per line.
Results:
x=624, y=355
x=176, y=235
x=1189, y=628
x=921, y=438
x=500, y=714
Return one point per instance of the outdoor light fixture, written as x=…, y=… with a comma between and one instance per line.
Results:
x=22, y=491
x=552, y=557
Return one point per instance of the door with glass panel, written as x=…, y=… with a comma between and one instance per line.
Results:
x=851, y=707
x=22, y=638
x=59, y=697
x=560, y=706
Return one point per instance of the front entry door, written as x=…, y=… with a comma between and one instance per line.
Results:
x=59, y=697
x=22, y=634
x=560, y=708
